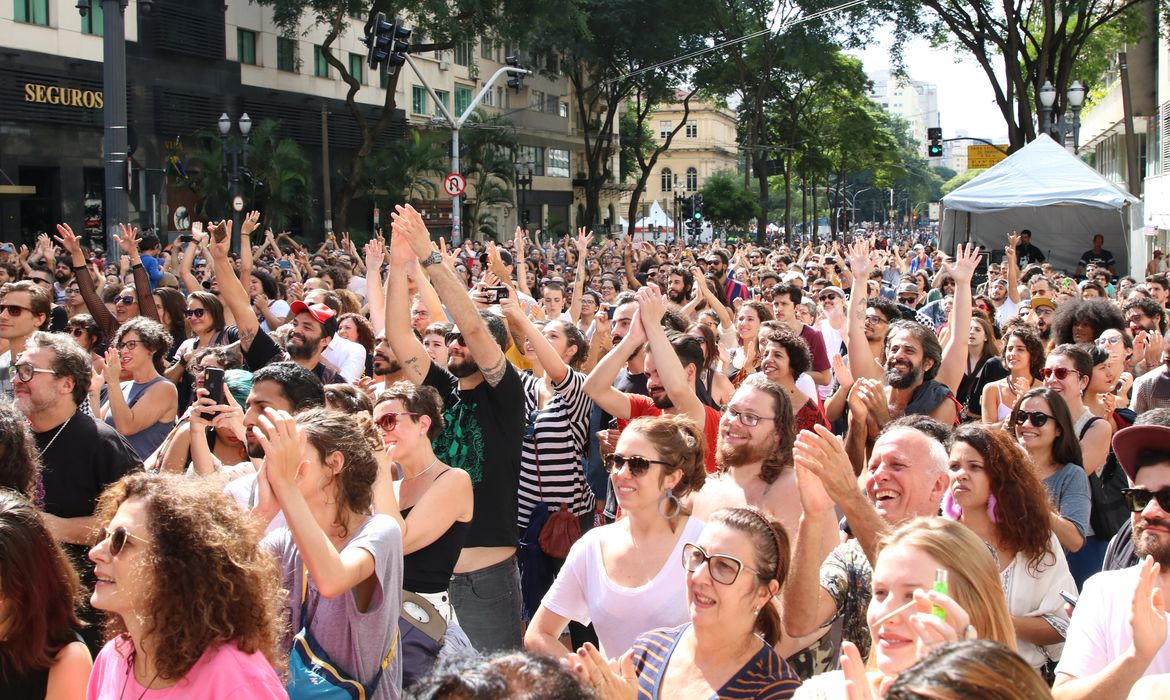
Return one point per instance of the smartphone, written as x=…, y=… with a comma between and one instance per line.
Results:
x=498, y=292
x=213, y=383
x=284, y=264
x=1069, y=598
x=186, y=238
x=221, y=232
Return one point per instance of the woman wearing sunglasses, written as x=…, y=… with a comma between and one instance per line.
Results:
x=1023, y=358
x=41, y=656
x=85, y=331
x=193, y=602
x=627, y=577
x=1068, y=371
x=205, y=317
x=144, y=408
x=995, y=493
x=134, y=299
x=434, y=500
x=1044, y=430
x=726, y=649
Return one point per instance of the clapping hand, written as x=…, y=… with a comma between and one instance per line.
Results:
x=610, y=680
x=277, y=434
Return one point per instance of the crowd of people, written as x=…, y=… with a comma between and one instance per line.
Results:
x=579, y=468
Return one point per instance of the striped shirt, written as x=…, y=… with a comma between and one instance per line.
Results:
x=764, y=676
x=554, y=441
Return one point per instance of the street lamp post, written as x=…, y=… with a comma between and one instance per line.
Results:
x=523, y=185
x=115, y=141
x=238, y=150
x=1058, y=126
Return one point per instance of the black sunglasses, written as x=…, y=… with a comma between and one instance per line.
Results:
x=194, y=313
x=125, y=301
x=117, y=539
x=1038, y=419
x=76, y=332
x=1138, y=499
x=455, y=336
x=638, y=465
x=389, y=421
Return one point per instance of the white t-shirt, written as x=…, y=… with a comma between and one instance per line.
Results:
x=1007, y=311
x=347, y=356
x=584, y=592
x=1032, y=594
x=279, y=308
x=1100, y=631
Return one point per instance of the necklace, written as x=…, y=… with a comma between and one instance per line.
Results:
x=129, y=670
x=433, y=463
x=56, y=435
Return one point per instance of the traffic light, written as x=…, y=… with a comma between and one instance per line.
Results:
x=515, y=80
x=688, y=209
x=698, y=207
x=386, y=42
x=934, y=148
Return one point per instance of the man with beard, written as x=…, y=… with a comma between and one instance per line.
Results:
x=312, y=326
x=678, y=290
x=921, y=376
x=80, y=456
x=717, y=264
x=672, y=366
x=1040, y=316
x=1117, y=634
x=387, y=369
x=342, y=355
x=483, y=430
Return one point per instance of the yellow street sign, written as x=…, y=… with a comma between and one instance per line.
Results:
x=984, y=156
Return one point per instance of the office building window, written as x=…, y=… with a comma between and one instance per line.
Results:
x=320, y=65
x=462, y=99
x=93, y=21
x=536, y=100
x=444, y=97
x=463, y=53
x=692, y=130
x=558, y=162
x=692, y=180
x=533, y=155
x=357, y=64
x=667, y=180
x=486, y=49
x=664, y=128
x=286, y=54
x=489, y=99
x=33, y=12
x=563, y=109
x=246, y=46
x=418, y=99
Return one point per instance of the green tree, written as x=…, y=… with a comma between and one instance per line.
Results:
x=727, y=202
x=634, y=142
x=488, y=145
x=406, y=170
x=642, y=109
x=961, y=179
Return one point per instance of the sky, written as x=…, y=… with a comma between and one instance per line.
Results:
x=966, y=100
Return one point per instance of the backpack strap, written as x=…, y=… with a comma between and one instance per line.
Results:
x=1088, y=424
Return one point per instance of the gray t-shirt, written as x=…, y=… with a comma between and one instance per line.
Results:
x=1068, y=490
x=356, y=641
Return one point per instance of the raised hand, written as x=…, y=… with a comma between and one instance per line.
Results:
x=841, y=371
x=857, y=685
x=277, y=433
x=860, y=259
x=1147, y=615
x=68, y=241
x=582, y=242
x=932, y=630
x=375, y=252
x=408, y=225
x=220, y=240
x=113, y=370
x=250, y=223
x=822, y=455
x=650, y=305
x=128, y=241
x=814, y=498
x=962, y=268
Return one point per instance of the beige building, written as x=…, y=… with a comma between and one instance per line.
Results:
x=706, y=144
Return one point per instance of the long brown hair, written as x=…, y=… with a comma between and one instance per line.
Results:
x=970, y=669
x=1021, y=523
x=209, y=581
x=39, y=586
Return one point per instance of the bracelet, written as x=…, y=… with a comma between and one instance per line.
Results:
x=136, y=266
x=75, y=268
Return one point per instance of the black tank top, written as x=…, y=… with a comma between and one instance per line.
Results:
x=429, y=569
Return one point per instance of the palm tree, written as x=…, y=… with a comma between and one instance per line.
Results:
x=487, y=147
x=406, y=170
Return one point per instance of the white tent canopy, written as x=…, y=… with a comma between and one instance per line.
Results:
x=657, y=218
x=1043, y=188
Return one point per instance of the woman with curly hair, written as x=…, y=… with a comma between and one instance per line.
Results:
x=41, y=655
x=20, y=463
x=341, y=562
x=143, y=409
x=995, y=492
x=1023, y=357
x=784, y=357
x=356, y=328
x=1083, y=321
x=194, y=604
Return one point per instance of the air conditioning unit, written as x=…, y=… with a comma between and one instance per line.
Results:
x=444, y=64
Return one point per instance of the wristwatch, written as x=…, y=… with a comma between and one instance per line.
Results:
x=433, y=259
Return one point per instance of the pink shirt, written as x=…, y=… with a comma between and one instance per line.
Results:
x=222, y=672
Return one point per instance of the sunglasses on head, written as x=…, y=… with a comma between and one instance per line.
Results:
x=194, y=313
x=389, y=421
x=1061, y=373
x=723, y=568
x=1138, y=499
x=1038, y=419
x=124, y=301
x=638, y=465
x=117, y=538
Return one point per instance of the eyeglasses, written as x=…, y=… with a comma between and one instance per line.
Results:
x=910, y=299
x=1108, y=340
x=724, y=569
x=42, y=280
x=73, y=290
x=749, y=419
x=1038, y=419
x=1138, y=499
x=875, y=319
x=455, y=337
x=389, y=421
x=26, y=370
x=124, y=301
x=1061, y=373
x=13, y=310
x=76, y=332
x=118, y=539
x=128, y=345
x=638, y=465
x=194, y=313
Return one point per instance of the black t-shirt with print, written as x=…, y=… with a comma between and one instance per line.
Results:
x=482, y=435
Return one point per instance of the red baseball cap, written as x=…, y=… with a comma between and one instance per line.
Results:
x=321, y=314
